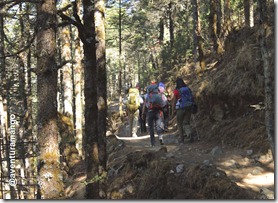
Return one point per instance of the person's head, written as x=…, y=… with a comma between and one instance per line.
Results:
x=161, y=87
x=180, y=83
x=161, y=84
x=153, y=80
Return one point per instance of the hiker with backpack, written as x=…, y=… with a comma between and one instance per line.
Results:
x=182, y=103
x=153, y=106
x=133, y=104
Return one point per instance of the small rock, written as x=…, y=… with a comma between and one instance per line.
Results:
x=216, y=151
x=170, y=155
x=249, y=152
x=206, y=162
x=180, y=168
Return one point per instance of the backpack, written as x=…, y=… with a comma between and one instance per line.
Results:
x=186, y=97
x=154, y=98
x=133, y=101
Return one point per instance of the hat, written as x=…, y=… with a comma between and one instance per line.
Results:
x=161, y=85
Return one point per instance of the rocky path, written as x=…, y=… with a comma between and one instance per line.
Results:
x=243, y=167
x=247, y=169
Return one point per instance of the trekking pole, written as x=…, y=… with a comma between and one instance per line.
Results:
x=193, y=118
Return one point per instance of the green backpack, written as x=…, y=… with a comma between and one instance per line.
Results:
x=133, y=101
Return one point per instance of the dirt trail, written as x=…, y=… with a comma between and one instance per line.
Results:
x=198, y=170
x=241, y=166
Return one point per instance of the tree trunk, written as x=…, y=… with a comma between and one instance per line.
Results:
x=251, y=13
x=198, y=40
x=79, y=85
x=219, y=17
x=246, y=4
x=268, y=80
x=3, y=104
x=161, y=30
x=213, y=24
x=227, y=17
x=120, y=62
x=102, y=92
x=50, y=182
x=171, y=24
x=91, y=111
x=66, y=69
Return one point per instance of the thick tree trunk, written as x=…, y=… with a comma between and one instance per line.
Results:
x=269, y=87
x=91, y=111
x=50, y=182
x=102, y=92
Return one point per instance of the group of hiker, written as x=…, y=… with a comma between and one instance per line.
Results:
x=155, y=106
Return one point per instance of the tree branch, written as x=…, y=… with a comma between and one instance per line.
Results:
x=77, y=22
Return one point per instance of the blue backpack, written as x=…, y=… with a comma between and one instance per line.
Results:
x=186, y=97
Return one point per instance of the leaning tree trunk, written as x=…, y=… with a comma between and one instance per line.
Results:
x=268, y=81
x=50, y=182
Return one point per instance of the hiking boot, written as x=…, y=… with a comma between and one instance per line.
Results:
x=161, y=142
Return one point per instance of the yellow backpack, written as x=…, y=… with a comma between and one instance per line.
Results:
x=133, y=101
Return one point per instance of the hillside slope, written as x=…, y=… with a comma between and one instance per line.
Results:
x=231, y=93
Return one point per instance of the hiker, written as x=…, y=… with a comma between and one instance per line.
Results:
x=153, y=106
x=181, y=104
x=142, y=118
x=162, y=90
x=133, y=104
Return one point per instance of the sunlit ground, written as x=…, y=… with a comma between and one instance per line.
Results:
x=259, y=178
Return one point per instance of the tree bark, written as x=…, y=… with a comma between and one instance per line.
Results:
x=50, y=182
x=246, y=4
x=213, y=24
x=66, y=69
x=120, y=62
x=198, y=40
x=171, y=24
x=91, y=111
x=269, y=87
x=102, y=92
x=227, y=17
x=161, y=30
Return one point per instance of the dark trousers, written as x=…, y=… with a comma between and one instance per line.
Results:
x=142, y=122
x=155, y=119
